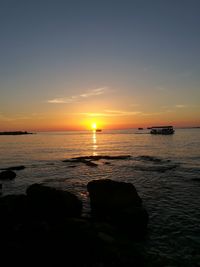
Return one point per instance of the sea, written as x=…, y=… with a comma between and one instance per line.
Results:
x=165, y=169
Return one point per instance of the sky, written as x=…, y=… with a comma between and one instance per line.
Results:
x=117, y=63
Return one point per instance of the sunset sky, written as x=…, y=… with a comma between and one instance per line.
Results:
x=117, y=63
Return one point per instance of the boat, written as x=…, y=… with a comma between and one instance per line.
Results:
x=165, y=130
x=140, y=128
x=98, y=130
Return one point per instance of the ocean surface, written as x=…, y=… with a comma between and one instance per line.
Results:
x=164, y=169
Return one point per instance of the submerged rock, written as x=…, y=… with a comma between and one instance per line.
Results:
x=149, y=158
x=88, y=160
x=15, y=168
x=120, y=157
x=7, y=175
x=118, y=203
x=81, y=160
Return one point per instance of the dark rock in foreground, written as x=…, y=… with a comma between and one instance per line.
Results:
x=119, y=204
x=51, y=203
x=196, y=179
x=7, y=175
x=44, y=227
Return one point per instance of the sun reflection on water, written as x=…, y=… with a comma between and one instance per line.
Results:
x=94, y=143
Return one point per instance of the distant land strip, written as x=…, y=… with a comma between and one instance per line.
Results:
x=15, y=133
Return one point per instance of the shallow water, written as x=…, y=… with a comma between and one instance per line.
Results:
x=164, y=169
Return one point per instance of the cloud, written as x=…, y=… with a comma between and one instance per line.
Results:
x=110, y=113
x=93, y=114
x=62, y=100
x=180, y=106
x=78, y=98
x=122, y=112
x=153, y=113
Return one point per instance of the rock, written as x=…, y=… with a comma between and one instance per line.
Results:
x=118, y=203
x=15, y=133
x=7, y=175
x=149, y=158
x=107, y=196
x=43, y=228
x=196, y=179
x=13, y=210
x=89, y=163
x=120, y=157
x=53, y=204
x=72, y=166
x=15, y=168
x=81, y=160
x=96, y=158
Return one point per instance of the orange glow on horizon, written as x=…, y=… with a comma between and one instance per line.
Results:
x=62, y=121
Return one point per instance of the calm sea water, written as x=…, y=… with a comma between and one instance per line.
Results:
x=164, y=169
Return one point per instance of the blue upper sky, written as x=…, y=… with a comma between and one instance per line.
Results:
x=138, y=50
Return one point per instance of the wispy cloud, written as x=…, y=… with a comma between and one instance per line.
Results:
x=180, y=106
x=63, y=100
x=93, y=114
x=78, y=98
x=122, y=112
x=110, y=113
x=154, y=113
x=94, y=92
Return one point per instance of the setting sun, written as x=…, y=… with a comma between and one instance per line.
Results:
x=94, y=125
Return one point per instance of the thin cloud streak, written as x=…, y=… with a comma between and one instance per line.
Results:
x=78, y=98
x=110, y=113
x=181, y=106
x=122, y=112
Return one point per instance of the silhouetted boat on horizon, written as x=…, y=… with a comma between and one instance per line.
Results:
x=165, y=130
x=98, y=130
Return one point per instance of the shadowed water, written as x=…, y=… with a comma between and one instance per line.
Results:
x=164, y=169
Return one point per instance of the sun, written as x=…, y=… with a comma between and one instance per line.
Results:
x=94, y=126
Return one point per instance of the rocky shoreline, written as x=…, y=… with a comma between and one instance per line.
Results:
x=15, y=133
x=45, y=226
